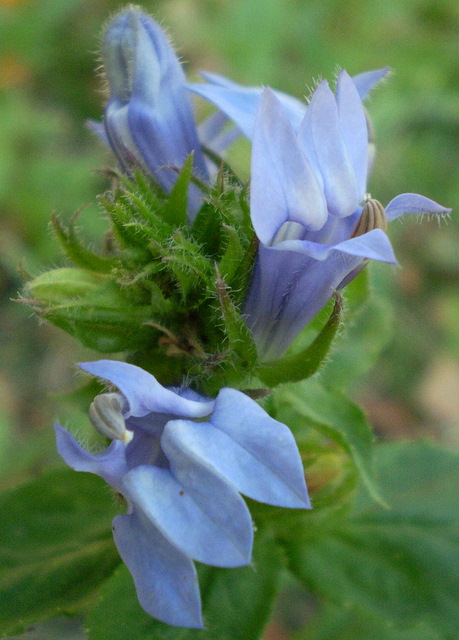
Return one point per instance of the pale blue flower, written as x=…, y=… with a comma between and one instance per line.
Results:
x=308, y=186
x=181, y=461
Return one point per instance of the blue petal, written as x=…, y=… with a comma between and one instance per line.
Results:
x=353, y=127
x=164, y=146
x=159, y=83
x=284, y=186
x=321, y=139
x=254, y=452
x=292, y=281
x=215, y=134
x=374, y=245
x=240, y=103
x=367, y=80
x=192, y=505
x=413, y=203
x=111, y=464
x=145, y=446
x=164, y=577
x=118, y=134
x=212, y=127
x=143, y=392
x=97, y=128
x=240, y=106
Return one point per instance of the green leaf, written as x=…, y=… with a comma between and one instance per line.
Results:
x=183, y=257
x=305, y=363
x=358, y=624
x=240, y=343
x=76, y=252
x=149, y=220
x=233, y=255
x=237, y=603
x=144, y=185
x=359, y=348
x=334, y=415
x=177, y=203
x=207, y=229
x=398, y=563
x=57, y=547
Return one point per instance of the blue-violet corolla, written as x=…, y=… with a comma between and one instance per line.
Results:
x=181, y=462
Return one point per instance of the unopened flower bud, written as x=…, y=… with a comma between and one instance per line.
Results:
x=119, y=53
x=61, y=285
x=149, y=118
x=106, y=415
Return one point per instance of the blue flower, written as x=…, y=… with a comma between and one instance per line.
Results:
x=316, y=225
x=149, y=118
x=181, y=461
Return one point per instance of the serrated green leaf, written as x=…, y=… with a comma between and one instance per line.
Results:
x=159, y=303
x=240, y=340
x=184, y=258
x=77, y=253
x=120, y=216
x=175, y=210
x=401, y=563
x=334, y=415
x=57, y=547
x=207, y=230
x=237, y=603
x=305, y=363
x=233, y=255
x=152, y=222
x=141, y=183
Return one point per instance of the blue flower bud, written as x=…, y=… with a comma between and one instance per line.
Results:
x=148, y=118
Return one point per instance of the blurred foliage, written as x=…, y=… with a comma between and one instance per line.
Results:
x=49, y=162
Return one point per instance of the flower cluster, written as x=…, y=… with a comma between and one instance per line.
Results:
x=309, y=170
x=180, y=461
x=309, y=207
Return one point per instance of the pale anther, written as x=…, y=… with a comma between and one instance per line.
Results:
x=106, y=415
x=373, y=217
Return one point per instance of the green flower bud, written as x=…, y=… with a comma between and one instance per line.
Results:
x=60, y=285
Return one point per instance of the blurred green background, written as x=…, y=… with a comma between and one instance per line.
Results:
x=49, y=162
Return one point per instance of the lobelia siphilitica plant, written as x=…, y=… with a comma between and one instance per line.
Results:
x=203, y=284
